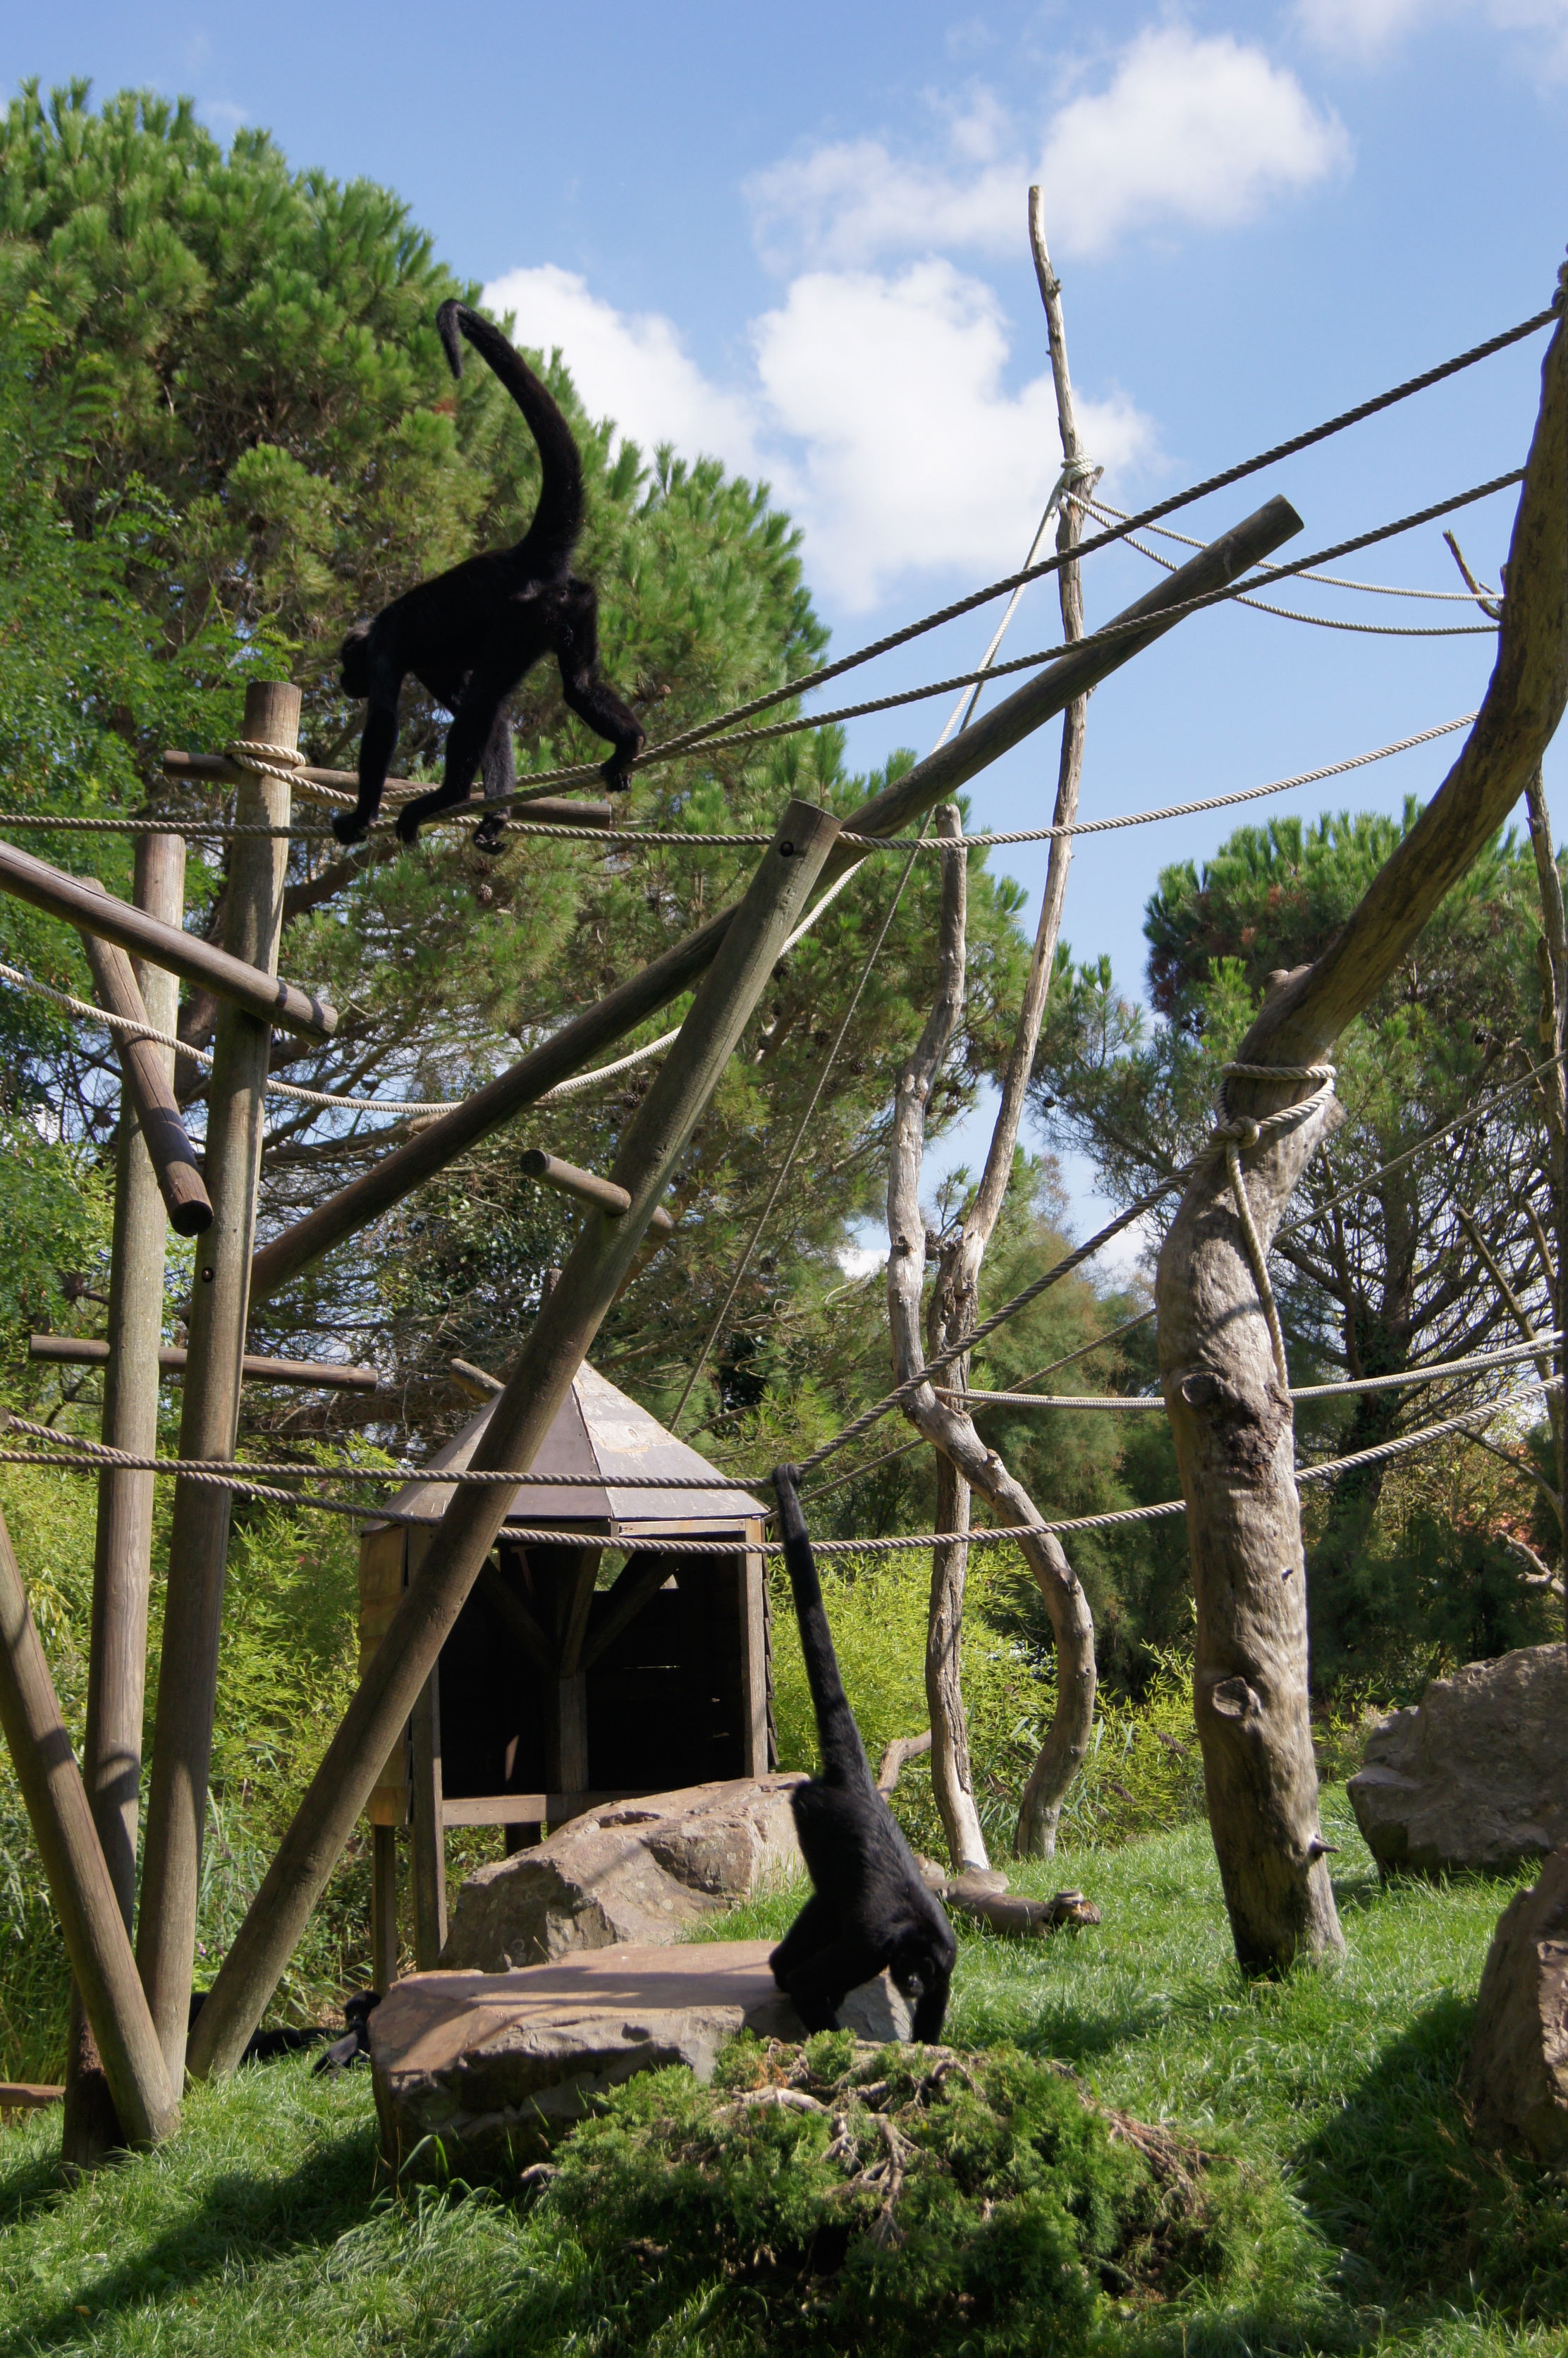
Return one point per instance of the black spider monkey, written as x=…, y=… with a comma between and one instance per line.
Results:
x=470, y=634
x=869, y=1908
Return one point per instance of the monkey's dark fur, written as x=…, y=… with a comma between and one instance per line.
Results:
x=869, y=1908
x=470, y=635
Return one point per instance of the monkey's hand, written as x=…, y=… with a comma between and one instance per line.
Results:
x=348, y=828
x=408, y=824
x=617, y=771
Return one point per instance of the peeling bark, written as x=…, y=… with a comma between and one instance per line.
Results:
x=1230, y=1423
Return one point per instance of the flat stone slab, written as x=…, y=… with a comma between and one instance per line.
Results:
x=492, y=2066
x=483, y=2070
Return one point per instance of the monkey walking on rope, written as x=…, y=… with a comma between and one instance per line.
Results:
x=869, y=1906
x=470, y=634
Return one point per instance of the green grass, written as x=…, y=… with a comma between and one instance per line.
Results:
x=1370, y=2223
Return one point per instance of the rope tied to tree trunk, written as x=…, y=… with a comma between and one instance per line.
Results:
x=1234, y=1132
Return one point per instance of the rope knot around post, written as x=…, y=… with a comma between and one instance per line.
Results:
x=1234, y=1132
x=265, y=761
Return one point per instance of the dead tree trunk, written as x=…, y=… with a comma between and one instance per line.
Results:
x=1554, y=1088
x=953, y=1436
x=1229, y=1415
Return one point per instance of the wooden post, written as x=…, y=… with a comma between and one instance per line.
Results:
x=85, y=1898
x=122, y=1563
x=226, y=972
x=429, y=1871
x=383, y=1907
x=199, y=1537
x=440, y=1142
x=1230, y=1416
x=147, y=1072
x=645, y=1164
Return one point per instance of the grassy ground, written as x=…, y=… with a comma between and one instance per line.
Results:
x=265, y=2227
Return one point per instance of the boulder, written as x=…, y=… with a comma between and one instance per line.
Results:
x=1516, y=2077
x=1475, y=1775
x=643, y=1871
x=483, y=2069
x=480, y=2071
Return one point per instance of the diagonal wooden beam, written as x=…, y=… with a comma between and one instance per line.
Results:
x=587, y=1035
x=650, y=1153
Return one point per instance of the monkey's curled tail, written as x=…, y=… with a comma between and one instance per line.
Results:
x=843, y=1754
x=547, y=545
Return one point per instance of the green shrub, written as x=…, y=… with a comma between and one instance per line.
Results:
x=909, y=2201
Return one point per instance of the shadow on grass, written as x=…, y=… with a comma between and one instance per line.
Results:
x=231, y=2218
x=1421, y=2213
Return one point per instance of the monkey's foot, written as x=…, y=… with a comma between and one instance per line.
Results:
x=617, y=773
x=489, y=835
x=348, y=828
x=407, y=827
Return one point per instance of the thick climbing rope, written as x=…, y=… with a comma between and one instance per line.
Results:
x=1430, y=1372
x=90, y=1459
x=659, y=838
x=1335, y=621
x=1232, y=1132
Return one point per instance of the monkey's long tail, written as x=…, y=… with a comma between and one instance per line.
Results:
x=557, y=519
x=843, y=1754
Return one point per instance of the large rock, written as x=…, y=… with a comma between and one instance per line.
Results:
x=1475, y=1775
x=640, y=1871
x=1518, y=2073
x=481, y=2070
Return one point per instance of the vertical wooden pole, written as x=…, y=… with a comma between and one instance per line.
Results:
x=649, y=1156
x=430, y=1839
x=85, y=1898
x=122, y=1563
x=199, y=1538
x=383, y=1907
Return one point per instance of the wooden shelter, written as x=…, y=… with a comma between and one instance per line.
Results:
x=559, y=1687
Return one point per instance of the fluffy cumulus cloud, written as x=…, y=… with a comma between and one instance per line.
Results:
x=877, y=405
x=1190, y=130
x=1368, y=30
x=912, y=456
x=629, y=365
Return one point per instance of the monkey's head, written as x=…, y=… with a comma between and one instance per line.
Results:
x=922, y=1968
x=355, y=660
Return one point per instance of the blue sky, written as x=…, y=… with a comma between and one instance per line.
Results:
x=796, y=238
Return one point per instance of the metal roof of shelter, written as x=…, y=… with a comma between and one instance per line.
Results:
x=597, y=1431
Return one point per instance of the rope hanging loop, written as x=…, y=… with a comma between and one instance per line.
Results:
x=261, y=760
x=1236, y=1134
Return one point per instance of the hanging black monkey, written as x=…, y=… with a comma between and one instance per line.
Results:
x=470, y=634
x=869, y=1908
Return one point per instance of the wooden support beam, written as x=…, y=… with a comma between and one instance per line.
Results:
x=638, y=1584
x=553, y=810
x=85, y=1901
x=429, y=1835
x=121, y=1562
x=145, y=1069
x=236, y=980
x=27, y=2096
x=529, y=1809
x=383, y=1907
x=650, y=1152
x=930, y=782
x=587, y=1187
x=311, y=1374
x=574, y=1626
x=198, y=1536
x=499, y=1592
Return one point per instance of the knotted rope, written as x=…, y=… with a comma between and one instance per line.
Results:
x=264, y=761
x=1233, y=1132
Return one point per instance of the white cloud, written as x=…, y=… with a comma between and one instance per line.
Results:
x=1198, y=131
x=1203, y=131
x=911, y=456
x=1367, y=30
x=631, y=366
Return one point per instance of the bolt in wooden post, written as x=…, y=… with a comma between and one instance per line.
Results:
x=199, y=1537
x=85, y=1898
x=649, y=1154
x=122, y=1563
